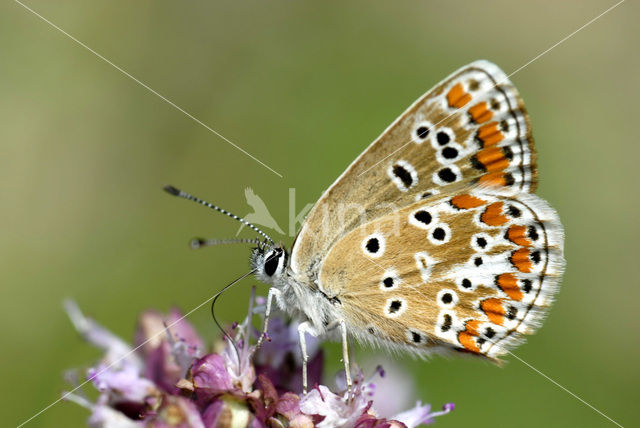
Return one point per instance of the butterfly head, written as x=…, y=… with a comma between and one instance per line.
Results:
x=269, y=262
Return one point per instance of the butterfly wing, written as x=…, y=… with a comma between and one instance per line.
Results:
x=471, y=271
x=470, y=129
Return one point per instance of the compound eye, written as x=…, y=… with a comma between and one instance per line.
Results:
x=271, y=265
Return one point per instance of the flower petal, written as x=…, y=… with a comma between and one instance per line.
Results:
x=116, y=348
x=210, y=377
x=338, y=411
x=177, y=412
x=421, y=414
x=227, y=412
x=106, y=417
x=122, y=383
x=153, y=326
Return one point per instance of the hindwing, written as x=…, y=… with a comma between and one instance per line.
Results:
x=471, y=271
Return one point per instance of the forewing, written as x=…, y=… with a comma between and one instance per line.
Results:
x=471, y=271
x=470, y=129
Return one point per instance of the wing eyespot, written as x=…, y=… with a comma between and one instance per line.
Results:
x=447, y=298
x=447, y=175
x=421, y=132
x=374, y=245
x=390, y=280
x=423, y=218
x=416, y=337
x=394, y=307
x=443, y=138
x=439, y=234
x=403, y=175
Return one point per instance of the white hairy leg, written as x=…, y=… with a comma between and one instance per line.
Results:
x=304, y=328
x=274, y=293
x=307, y=328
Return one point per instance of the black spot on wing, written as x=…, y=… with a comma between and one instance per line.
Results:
x=423, y=217
x=514, y=211
x=446, y=325
x=404, y=175
x=395, y=306
x=439, y=234
x=443, y=138
x=422, y=132
x=373, y=245
x=449, y=153
x=447, y=175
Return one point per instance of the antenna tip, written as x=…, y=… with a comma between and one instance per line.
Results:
x=196, y=243
x=171, y=190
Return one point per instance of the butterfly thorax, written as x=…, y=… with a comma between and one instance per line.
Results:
x=306, y=302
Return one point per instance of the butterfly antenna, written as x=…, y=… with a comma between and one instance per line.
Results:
x=177, y=192
x=201, y=242
x=213, y=312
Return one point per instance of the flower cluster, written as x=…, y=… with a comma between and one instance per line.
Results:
x=166, y=380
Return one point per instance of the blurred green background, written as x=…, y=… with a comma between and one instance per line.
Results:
x=304, y=86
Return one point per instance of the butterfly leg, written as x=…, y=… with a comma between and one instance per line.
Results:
x=345, y=356
x=345, y=351
x=303, y=329
x=274, y=293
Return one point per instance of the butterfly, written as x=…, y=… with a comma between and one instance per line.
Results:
x=432, y=240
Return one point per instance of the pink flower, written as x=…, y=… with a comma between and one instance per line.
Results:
x=342, y=411
x=167, y=352
x=168, y=380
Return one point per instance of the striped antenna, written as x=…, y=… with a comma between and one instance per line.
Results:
x=202, y=242
x=177, y=192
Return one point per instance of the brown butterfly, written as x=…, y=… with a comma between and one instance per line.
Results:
x=432, y=240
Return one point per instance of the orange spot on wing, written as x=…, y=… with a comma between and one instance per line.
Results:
x=472, y=327
x=493, y=159
x=493, y=216
x=489, y=134
x=508, y=283
x=465, y=202
x=520, y=259
x=518, y=235
x=468, y=342
x=494, y=310
x=457, y=97
x=466, y=337
x=480, y=112
x=496, y=179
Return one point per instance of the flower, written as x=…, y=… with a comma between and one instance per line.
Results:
x=340, y=410
x=166, y=379
x=280, y=360
x=167, y=352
